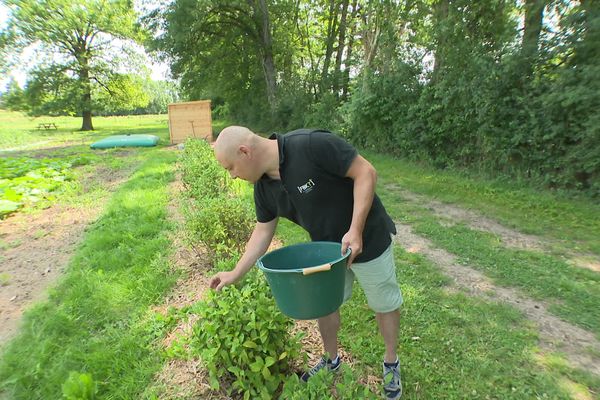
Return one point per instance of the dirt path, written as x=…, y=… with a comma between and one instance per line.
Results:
x=452, y=214
x=37, y=247
x=555, y=334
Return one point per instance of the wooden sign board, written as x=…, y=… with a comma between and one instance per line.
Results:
x=190, y=119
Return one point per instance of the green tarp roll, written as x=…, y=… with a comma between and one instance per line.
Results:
x=125, y=141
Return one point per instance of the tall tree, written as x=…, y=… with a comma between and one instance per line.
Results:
x=78, y=34
x=534, y=15
x=441, y=19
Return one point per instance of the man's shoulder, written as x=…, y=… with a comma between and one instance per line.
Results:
x=305, y=132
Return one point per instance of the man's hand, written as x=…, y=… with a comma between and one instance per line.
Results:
x=222, y=279
x=352, y=240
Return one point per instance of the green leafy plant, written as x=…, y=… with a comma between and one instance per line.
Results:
x=27, y=181
x=326, y=386
x=79, y=386
x=201, y=174
x=222, y=225
x=243, y=340
x=216, y=218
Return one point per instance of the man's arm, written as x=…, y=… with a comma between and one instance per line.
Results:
x=365, y=179
x=257, y=246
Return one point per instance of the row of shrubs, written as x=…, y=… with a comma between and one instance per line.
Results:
x=241, y=337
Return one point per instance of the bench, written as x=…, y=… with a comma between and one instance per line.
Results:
x=47, y=125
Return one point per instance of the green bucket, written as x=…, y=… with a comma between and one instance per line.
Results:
x=307, y=279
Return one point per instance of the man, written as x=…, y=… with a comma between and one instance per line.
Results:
x=320, y=182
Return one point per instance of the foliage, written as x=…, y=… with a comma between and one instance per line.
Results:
x=457, y=84
x=345, y=386
x=79, y=387
x=81, y=33
x=201, y=174
x=27, y=180
x=216, y=217
x=243, y=338
x=121, y=94
x=12, y=99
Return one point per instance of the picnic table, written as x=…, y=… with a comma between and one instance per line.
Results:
x=47, y=125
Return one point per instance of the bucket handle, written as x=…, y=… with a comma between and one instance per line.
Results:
x=318, y=268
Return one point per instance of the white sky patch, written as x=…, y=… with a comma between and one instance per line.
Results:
x=33, y=55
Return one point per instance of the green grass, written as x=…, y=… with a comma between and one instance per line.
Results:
x=574, y=222
x=573, y=293
x=96, y=320
x=453, y=346
x=18, y=132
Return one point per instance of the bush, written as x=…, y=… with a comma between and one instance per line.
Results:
x=344, y=385
x=222, y=225
x=243, y=339
x=201, y=174
x=216, y=218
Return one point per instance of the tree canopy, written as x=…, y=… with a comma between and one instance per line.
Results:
x=503, y=86
x=78, y=38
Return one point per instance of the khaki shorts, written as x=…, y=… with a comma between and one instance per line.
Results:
x=378, y=279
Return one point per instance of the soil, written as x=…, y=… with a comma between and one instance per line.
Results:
x=36, y=247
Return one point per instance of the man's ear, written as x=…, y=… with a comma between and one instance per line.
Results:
x=244, y=150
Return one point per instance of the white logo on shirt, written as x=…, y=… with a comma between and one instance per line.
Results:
x=307, y=187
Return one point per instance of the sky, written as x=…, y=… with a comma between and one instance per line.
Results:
x=160, y=71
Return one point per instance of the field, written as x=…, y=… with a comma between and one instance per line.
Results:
x=99, y=292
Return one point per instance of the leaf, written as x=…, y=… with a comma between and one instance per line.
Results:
x=7, y=206
x=214, y=383
x=266, y=373
x=269, y=361
x=256, y=366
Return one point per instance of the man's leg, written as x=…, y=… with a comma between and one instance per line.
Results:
x=388, y=326
x=328, y=327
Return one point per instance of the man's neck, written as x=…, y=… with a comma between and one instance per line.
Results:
x=271, y=151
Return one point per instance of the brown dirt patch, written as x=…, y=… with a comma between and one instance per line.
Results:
x=579, y=346
x=37, y=247
x=450, y=214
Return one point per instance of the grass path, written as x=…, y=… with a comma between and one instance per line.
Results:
x=580, y=347
x=479, y=263
x=96, y=320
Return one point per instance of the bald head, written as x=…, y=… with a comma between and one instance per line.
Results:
x=246, y=155
x=230, y=139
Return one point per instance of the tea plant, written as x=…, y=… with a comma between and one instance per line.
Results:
x=215, y=217
x=326, y=386
x=79, y=387
x=242, y=338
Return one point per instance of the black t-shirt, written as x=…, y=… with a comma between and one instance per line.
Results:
x=314, y=193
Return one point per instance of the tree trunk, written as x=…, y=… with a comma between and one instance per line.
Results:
x=350, y=48
x=371, y=36
x=441, y=15
x=331, y=34
x=589, y=48
x=534, y=14
x=340, y=48
x=263, y=24
x=86, y=98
